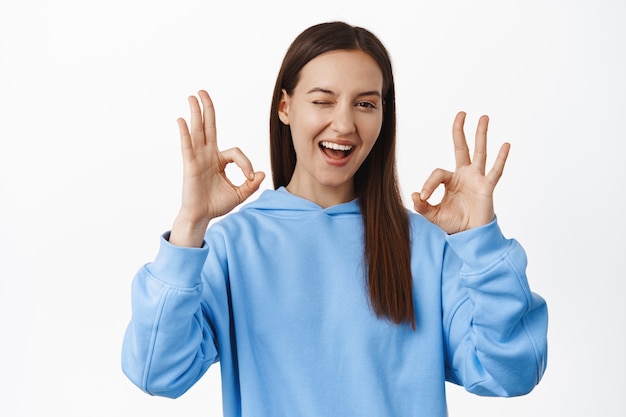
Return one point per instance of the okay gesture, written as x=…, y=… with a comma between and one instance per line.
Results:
x=468, y=197
x=207, y=191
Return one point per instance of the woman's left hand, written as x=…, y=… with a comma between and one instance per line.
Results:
x=468, y=198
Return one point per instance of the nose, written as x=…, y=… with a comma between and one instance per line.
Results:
x=343, y=120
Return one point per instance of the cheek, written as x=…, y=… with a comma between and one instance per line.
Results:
x=307, y=125
x=304, y=131
x=370, y=130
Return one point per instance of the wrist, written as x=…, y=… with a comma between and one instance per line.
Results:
x=188, y=232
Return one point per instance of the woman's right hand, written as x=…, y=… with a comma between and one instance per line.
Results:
x=207, y=191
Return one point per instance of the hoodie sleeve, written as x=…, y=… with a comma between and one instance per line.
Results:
x=169, y=343
x=495, y=327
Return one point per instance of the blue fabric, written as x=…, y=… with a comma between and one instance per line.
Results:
x=277, y=295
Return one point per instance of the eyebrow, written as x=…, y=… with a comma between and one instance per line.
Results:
x=327, y=91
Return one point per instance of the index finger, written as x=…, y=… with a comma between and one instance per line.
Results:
x=461, y=151
x=208, y=111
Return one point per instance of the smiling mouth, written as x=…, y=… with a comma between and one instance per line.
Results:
x=335, y=150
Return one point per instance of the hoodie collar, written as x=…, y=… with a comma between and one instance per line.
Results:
x=281, y=202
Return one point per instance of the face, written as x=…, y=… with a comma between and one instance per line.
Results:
x=335, y=114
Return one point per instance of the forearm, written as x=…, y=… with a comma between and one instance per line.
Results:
x=497, y=335
x=166, y=347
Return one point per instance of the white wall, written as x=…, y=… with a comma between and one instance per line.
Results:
x=90, y=169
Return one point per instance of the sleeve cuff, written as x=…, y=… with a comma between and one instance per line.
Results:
x=480, y=247
x=178, y=266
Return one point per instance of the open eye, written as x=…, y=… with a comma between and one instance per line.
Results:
x=366, y=104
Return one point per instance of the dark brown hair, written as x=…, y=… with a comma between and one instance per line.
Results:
x=385, y=220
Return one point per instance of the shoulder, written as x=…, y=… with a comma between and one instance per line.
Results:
x=420, y=226
x=428, y=241
x=270, y=210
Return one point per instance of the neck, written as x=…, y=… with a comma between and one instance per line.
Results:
x=323, y=196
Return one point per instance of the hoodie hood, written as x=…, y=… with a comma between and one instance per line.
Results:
x=282, y=203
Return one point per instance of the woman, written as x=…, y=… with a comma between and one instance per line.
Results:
x=325, y=297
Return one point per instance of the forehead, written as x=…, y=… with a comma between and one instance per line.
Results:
x=342, y=70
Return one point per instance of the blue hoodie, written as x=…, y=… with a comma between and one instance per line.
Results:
x=277, y=294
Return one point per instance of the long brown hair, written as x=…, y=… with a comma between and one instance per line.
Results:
x=385, y=220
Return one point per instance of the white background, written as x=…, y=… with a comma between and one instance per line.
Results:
x=90, y=169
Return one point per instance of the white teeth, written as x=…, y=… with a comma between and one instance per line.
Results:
x=336, y=146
